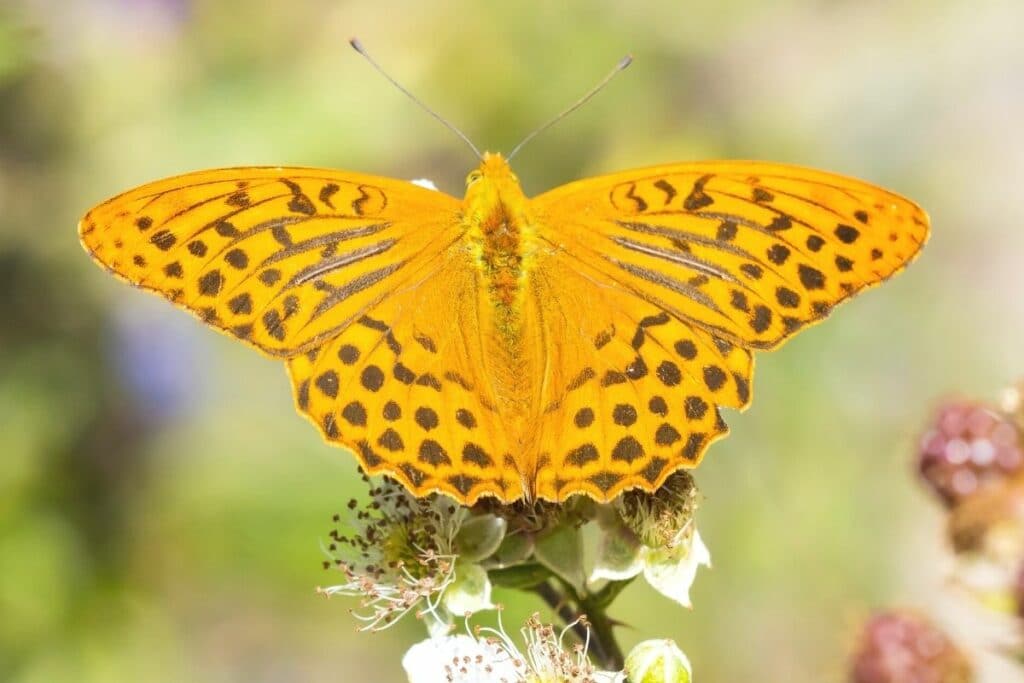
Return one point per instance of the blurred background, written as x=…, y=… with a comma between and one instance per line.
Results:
x=159, y=523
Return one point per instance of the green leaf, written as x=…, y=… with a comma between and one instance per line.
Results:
x=560, y=549
x=520, y=577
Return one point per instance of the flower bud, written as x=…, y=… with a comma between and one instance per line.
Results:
x=897, y=647
x=479, y=537
x=969, y=447
x=663, y=518
x=991, y=523
x=658, y=661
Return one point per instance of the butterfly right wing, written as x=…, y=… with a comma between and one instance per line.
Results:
x=660, y=282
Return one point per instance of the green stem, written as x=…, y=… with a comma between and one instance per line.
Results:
x=601, y=632
x=604, y=648
x=559, y=603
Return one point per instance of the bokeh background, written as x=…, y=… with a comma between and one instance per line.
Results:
x=162, y=505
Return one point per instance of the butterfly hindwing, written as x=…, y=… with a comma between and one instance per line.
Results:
x=403, y=388
x=633, y=392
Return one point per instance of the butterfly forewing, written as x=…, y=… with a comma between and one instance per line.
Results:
x=282, y=258
x=747, y=250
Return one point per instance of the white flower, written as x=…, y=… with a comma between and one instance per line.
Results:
x=670, y=571
x=425, y=182
x=492, y=655
x=654, y=534
x=658, y=661
x=471, y=590
x=404, y=554
x=457, y=659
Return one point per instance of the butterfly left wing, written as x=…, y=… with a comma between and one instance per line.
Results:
x=662, y=281
x=363, y=284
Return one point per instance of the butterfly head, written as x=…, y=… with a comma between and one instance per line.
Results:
x=492, y=182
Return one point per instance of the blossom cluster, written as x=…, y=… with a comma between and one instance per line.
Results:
x=400, y=555
x=971, y=458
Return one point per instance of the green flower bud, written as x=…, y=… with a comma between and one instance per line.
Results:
x=658, y=661
x=479, y=537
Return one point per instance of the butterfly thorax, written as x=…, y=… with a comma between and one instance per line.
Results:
x=501, y=232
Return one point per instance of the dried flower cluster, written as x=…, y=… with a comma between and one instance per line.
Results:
x=654, y=535
x=433, y=558
x=969, y=447
x=904, y=647
x=665, y=518
x=972, y=458
x=397, y=553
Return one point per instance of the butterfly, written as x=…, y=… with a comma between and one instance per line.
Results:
x=579, y=342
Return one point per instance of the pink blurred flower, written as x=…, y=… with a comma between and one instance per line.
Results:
x=902, y=647
x=968, y=447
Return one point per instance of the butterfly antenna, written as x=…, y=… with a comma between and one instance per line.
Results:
x=623, y=63
x=358, y=47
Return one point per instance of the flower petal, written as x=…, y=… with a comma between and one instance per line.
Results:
x=618, y=555
x=425, y=182
x=671, y=573
x=470, y=592
x=430, y=661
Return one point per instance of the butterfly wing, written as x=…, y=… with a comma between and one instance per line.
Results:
x=362, y=283
x=406, y=388
x=281, y=258
x=662, y=281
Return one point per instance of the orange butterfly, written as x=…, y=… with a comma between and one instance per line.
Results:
x=581, y=341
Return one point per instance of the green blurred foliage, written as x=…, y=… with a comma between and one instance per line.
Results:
x=176, y=537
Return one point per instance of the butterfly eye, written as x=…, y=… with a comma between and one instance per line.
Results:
x=473, y=177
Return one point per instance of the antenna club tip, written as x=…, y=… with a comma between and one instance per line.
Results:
x=625, y=61
x=356, y=44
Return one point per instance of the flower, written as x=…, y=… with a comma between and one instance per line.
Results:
x=902, y=646
x=969, y=447
x=987, y=534
x=404, y=554
x=654, y=534
x=658, y=661
x=458, y=659
x=490, y=654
